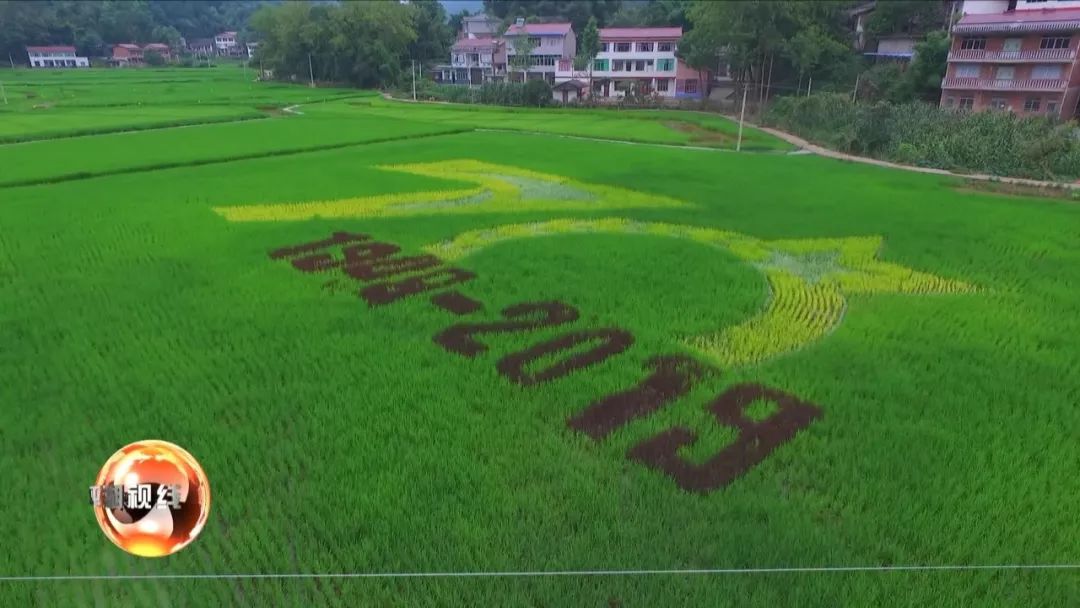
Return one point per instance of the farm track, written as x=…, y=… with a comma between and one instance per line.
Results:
x=128, y=129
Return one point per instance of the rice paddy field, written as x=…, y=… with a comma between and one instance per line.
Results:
x=438, y=339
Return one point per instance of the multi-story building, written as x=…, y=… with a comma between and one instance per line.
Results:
x=550, y=42
x=479, y=26
x=638, y=59
x=1018, y=55
x=474, y=61
x=127, y=54
x=55, y=57
x=225, y=43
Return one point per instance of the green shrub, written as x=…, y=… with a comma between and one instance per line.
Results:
x=531, y=93
x=998, y=143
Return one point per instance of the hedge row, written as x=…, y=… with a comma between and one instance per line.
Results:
x=534, y=93
x=998, y=143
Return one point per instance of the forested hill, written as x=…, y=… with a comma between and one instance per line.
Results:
x=93, y=25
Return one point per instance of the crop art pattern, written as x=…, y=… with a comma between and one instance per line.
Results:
x=809, y=283
x=808, y=279
x=488, y=188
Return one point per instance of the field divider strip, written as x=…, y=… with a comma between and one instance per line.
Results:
x=154, y=126
x=67, y=177
x=544, y=573
x=632, y=142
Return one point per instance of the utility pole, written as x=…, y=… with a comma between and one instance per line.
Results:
x=855, y=93
x=3, y=92
x=11, y=61
x=742, y=116
x=808, y=85
x=311, y=73
x=414, y=80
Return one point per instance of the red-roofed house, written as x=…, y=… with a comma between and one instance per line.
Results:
x=127, y=54
x=552, y=42
x=55, y=57
x=474, y=61
x=640, y=59
x=1016, y=55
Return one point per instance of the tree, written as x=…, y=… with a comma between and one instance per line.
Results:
x=700, y=53
x=652, y=13
x=758, y=35
x=923, y=77
x=588, y=47
x=521, y=59
x=906, y=17
x=168, y=35
x=456, y=20
x=153, y=58
x=577, y=12
x=433, y=35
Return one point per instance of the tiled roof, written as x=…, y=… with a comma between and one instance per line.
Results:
x=1021, y=21
x=50, y=49
x=475, y=44
x=539, y=29
x=640, y=33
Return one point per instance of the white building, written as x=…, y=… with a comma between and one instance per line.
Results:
x=55, y=57
x=225, y=43
x=638, y=59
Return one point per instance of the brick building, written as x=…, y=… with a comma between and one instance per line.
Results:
x=1016, y=55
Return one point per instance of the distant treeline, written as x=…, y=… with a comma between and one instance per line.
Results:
x=93, y=25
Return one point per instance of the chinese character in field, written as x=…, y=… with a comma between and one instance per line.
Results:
x=95, y=495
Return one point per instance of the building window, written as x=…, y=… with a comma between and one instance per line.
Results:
x=1005, y=72
x=1046, y=72
x=665, y=47
x=1051, y=107
x=1011, y=45
x=973, y=44
x=618, y=65
x=966, y=70
x=622, y=47
x=662, y=85
x=1031, y=104
x=665, y=65
x=966, y=103
x=534, y=41
x=1055, y=42
x=600, y=65
x=690, y=86
x=998, y=103
x=475, y=58
x=641, y=65
x=603, y=47
x=644, y=47
x=622, y=85
x=950, y=102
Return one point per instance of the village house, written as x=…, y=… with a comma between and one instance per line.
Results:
x=637, y=60
x=474, y=61
x=1015, y=55
x=479, y=26
x=551, y=42
x=55, y=57
x=202, y=46
x=128, y=54
x=225, y=44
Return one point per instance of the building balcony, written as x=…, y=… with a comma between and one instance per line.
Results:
x=1044, y=55
x=993, y=84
